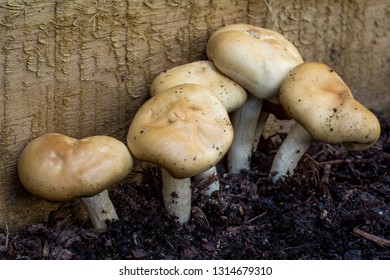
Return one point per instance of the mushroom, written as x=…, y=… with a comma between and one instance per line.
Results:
x=203, y=73
x=59, y=168
x=321, y=103
x=258, y=59
x=185, y=130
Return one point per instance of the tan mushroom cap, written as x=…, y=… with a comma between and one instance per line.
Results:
x=185, y=129
x=256, y=58
x=317, y=98
x=59, y=168
x=202, y=73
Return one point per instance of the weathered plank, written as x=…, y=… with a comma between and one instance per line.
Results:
x=83, y=68
x=351, y=36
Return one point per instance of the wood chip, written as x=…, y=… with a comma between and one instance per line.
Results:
x=139, y=253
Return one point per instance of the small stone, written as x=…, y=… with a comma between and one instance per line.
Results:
x=353, y=255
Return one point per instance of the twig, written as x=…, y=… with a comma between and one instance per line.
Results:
x=325, y=177
x=268, y=3
x=317, y=163
x=207, y=181
x=378, y=240
x=203, y=214
x=335, y=161
x=257, y=217
x=340, y=161
x=6, y=230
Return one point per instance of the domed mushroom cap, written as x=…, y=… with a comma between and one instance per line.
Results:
x=59, y=168
x=202, y=73
x=318, y=99
x=185, y=129
x=256, y=58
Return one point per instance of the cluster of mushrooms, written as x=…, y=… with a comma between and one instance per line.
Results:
x=198, y=113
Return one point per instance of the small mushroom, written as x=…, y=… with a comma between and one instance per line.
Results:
x=258, y=59
x=321, y=103
x=185, y=130
x=203, y=73
x=59, y=168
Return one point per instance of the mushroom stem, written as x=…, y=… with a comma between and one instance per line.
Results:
x=259, y=129
x=210, y=179
x=100, y=208
x=176, y=196
x=295, y=145
x=244, y=121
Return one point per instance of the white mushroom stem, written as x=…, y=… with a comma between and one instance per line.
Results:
x=295, y=145
x=176, y=196
x=244, y=121
x=210, y=179
x=259, y=129
x=100, y=208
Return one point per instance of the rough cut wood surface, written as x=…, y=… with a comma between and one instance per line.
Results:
x=83, y=67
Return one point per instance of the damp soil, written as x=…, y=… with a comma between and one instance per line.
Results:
x=335, y=206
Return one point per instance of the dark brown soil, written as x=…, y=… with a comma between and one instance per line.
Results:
x=335, y=206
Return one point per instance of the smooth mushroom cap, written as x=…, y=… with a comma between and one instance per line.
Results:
x=202, y=73
x=256, y=58
x=59, y=168
x=185, y=129
x=318, y=99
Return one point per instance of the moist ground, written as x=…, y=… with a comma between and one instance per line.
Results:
x=335, y=206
